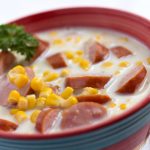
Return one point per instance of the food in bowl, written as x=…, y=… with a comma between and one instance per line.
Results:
x=70, y=78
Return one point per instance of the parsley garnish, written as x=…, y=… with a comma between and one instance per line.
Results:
x=14, y=38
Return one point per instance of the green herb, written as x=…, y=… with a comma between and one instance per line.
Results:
x=14, y=38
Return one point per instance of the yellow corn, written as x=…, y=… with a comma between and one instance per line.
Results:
x=18, y=69
x=78, y=39
x=31, y=101
x=13, y=97
x=53, y=100
x=50, y=76
x=20, y=80
x=53, y=33
x=138, y=63
x=34, y=116
x=124, y=64
x=77, y=59
x=68, y=39
x=123, y=106
x=22, y=103
x=84, y=64
x=13, y=111
x=41, y=102
x=107, y=64
x=21, y=116
x=69, y=54
x=67, y=92
x=45, y=92
x=90, y=91
x=64, y=72
x=79, y=52
x=112, y=105
x=148, y=60
x=72, y=100
x=37, y=84
x=58, y=42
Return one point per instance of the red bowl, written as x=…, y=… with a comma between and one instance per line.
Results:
x=121, y=21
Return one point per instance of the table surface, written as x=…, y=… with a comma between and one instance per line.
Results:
x=12, y=9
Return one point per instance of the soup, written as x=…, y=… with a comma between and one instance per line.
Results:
x=78, y=77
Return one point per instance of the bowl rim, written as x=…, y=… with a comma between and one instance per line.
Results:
x=86, y=129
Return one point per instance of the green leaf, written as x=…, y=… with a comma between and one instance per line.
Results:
x=14, y=38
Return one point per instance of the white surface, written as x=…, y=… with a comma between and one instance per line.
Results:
x=12, y=9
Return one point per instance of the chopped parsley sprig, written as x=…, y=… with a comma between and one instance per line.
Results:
x=15, y=39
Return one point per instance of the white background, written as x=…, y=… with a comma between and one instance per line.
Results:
x=12, y=9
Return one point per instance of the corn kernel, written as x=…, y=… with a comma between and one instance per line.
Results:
x=79, y=52
x=53, y=100
x=64, y=72
x=77, y=59
x=58, y=42
x=13, y=97
x=107, y=64
x=68, y=39
x=72, y=100
x=123, y=106
x=21, y=116
x=37, y=84
x=138, y=63
x=112, y=105
x=117, y=72
x=84, y=64
x=50, y=76
x=22, y=103
x=69, y=54
x=148, y=60
x=41, y=102
x=53, y=33
x=90, y=90
x=31, y=101
x=78, y=39
x=124, y=39
x=67, y=92
x=124, y=64
x=18, y=69
x=34, y=116
x=13, y=111
x=98, y=37
x=45, y=92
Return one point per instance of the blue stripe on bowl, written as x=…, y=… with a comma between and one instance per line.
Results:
x=98, y=139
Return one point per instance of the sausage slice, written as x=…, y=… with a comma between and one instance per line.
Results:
x=46, y=119
x=132, y=80
x=83, y=113
x=97, y=52
x=94, y=98
x=6, y=87
x=121, y=51
x=6, y=125
x=87, y=81
x=56, y=61
x=7, y=59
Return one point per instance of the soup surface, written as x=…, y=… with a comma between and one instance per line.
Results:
x=85, y=76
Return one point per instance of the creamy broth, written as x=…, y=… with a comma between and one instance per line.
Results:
x=73, y=39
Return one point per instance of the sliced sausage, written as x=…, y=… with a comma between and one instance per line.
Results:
x=43, y=45
x=83, y=113
x=87, y=81
x=97, y=52
x=6, y=125
x=6, y=87
x=56, y=61
x=94, y=98
x=46, y=119
x=120, y=51
x=7, y=59
x=132, y=80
